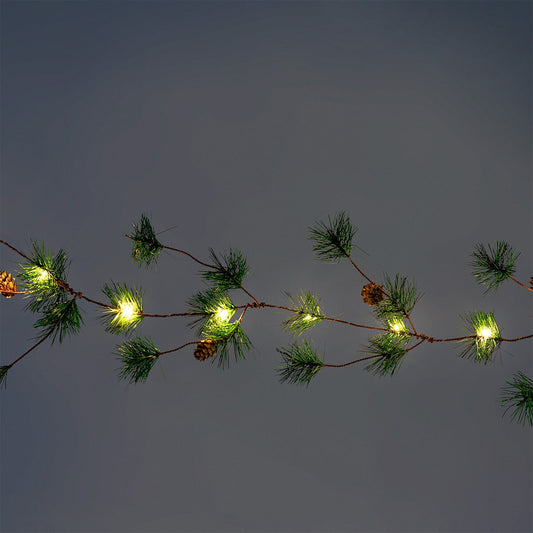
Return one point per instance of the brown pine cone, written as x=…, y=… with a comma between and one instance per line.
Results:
x=205, y=349
x=372, y=293
x=7, y=284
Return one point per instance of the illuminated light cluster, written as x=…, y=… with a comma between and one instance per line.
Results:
x=127, y=314
x=223, y=314
x=127, y=311
x=309, y=317
x=485, y=333
x=42, y=274
x=397, y=326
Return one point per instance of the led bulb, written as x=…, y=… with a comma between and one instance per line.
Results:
x=43, y=275
x=308, y=317
x=127, y=310
x=397, y=326
x=223, y=314
x=485, y=333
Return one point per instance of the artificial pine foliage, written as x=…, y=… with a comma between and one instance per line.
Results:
x=210, y=307
x=44, y=278
x=492, y=266
x=307, y=313
x=485, y=337
x=8, y=286
x=519, y=395
x=138, y=356
x=146, y=248
x=302, y=364
x=401, y=298
x=3, y=374
x=62, y=320
x=391, y=349
x=332, y=240
x=228, y=335
x=125, y=310
x=218, y=320
x=229, y=270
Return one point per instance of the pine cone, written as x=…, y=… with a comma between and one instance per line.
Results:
x=7, y=285
x=205, y=349
x=372, y=293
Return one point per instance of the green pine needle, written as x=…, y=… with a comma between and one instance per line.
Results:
x=227, y=336
x=302, y=364
x=487, y=337
x=207, y=305
x=332, y=240
x=125, y=311
x=401, y=299
x=145, y=247
x=230, y=272
x=493, y=266
x=392, y=348
x=308, y=314
x=40, y=277
x=138, y=357
x=3, y=375
x=63, y=319
x=519, y=395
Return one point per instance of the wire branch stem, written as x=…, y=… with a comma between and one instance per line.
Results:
x=359, y=270
x=178, y=348
x=517, y=339
x=191, y=256
x=521, y=284
x=15, y=250
x=415, y=345
x=32, y=348
x=352, y=362
x=214, y=267
x=78, y=294
x=410, y=322
x=169, y=315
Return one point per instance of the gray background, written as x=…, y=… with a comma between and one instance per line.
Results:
x=241, y=124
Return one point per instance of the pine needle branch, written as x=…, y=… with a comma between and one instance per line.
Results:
x=485, y=337
x=228, y=336
x=391, y=349
x=63, y=319
x=125, y=310
x=145, y=245
x=332, y=240
x=518, y=395
x=401, y=297
x=302, y=364
x=229, y=270
x=138, y=356
x=307, y=314
x=492, y=266
x=212, y=305
x=43, y=276
x=3, y=375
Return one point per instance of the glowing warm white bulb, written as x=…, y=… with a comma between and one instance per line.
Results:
x=308, y=317
x=43, y=274
x=398, y=326
x=127, y=311
x=485, y=333
x=223, y=314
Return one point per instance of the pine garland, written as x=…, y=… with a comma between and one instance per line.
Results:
x=217, y=320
